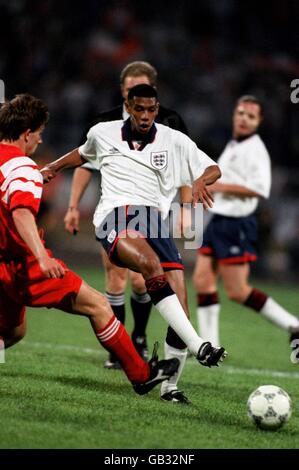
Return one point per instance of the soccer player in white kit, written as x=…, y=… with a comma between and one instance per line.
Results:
x=134, y=73
x=229, y=240
x=142, y=165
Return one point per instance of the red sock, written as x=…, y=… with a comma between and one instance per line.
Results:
x=256, y=299
x=205, y=300
x=116, y=340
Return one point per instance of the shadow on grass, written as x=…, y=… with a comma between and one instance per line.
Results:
x=76, y=382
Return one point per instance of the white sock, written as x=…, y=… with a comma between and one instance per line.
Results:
x=172, y=311
x=278, y=315
x=169, y=353
x=208, y=323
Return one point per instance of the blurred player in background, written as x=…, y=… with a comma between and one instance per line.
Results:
x=229, y=240
x=134, y=73
x=29, y=274
x=142, y=165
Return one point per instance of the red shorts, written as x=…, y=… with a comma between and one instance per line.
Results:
x=23, y=284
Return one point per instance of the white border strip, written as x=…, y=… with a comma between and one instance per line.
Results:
x=2, y=351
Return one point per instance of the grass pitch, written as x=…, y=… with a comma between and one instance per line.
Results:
x=56, y=394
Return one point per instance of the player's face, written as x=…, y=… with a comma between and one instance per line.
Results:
x=246, y=119
x=130, y=82
x=143, y=112
x=33, y=140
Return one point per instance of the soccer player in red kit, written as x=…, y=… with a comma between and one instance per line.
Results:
x=29, y=274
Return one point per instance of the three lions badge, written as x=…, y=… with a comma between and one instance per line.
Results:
x=159, y=160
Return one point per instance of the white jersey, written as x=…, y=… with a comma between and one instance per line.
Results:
x=148, y=177
x=246, y=163
x=90, y=166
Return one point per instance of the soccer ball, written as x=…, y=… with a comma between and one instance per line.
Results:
x=269, y=407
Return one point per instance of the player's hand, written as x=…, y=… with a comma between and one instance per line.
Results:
x=71, y=220
x=51, y=268
x=47, y=173
x=201, y=193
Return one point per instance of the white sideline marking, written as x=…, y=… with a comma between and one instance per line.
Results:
x=63, y=347
x=226, y=368
x=270, y=373
x=244, y=371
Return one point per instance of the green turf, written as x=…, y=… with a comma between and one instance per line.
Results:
x=55, y=392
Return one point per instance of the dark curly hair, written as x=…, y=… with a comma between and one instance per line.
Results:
x=20, y=114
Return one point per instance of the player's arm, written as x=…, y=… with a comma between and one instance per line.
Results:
x=80, y=181
x=258, y=177
x=200, y=192
x=184, y=219
x=186, y=194
x=185, y=191
x=27, y=229
x=69, y=160
x=175, y=121
x=233, y=190
x=194, y=162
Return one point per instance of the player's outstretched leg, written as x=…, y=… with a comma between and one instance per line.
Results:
x=117, y=304
x=171, y=310
x=115, y=280
x=141, y=305
x=114, y=338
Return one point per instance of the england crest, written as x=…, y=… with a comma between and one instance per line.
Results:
x=159, y=160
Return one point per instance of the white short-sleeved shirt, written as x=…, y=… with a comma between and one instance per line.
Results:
x=148, y=177
x=246, y=163
x=90, y=166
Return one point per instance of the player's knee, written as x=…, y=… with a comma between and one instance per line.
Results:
x=149, y=266
x=236, y=295
x=201, y=282
x=197, y=281
x=99, y=307
x=138, y=284
x=115, y=280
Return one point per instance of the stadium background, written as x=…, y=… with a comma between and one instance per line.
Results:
x=207, y=53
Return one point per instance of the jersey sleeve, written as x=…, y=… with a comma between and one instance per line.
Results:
x=23, y=188
x=193, y=162
x=89, y=166
x=89, y=150
x=260, y=171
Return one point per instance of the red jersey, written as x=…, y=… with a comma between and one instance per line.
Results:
x=21, y=185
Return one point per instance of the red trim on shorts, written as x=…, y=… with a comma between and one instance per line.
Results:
x=246, y=258
x=205, y=250
x=173, y=265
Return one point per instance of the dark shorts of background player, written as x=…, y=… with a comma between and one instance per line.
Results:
x=230, y=240
x=145, y=222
